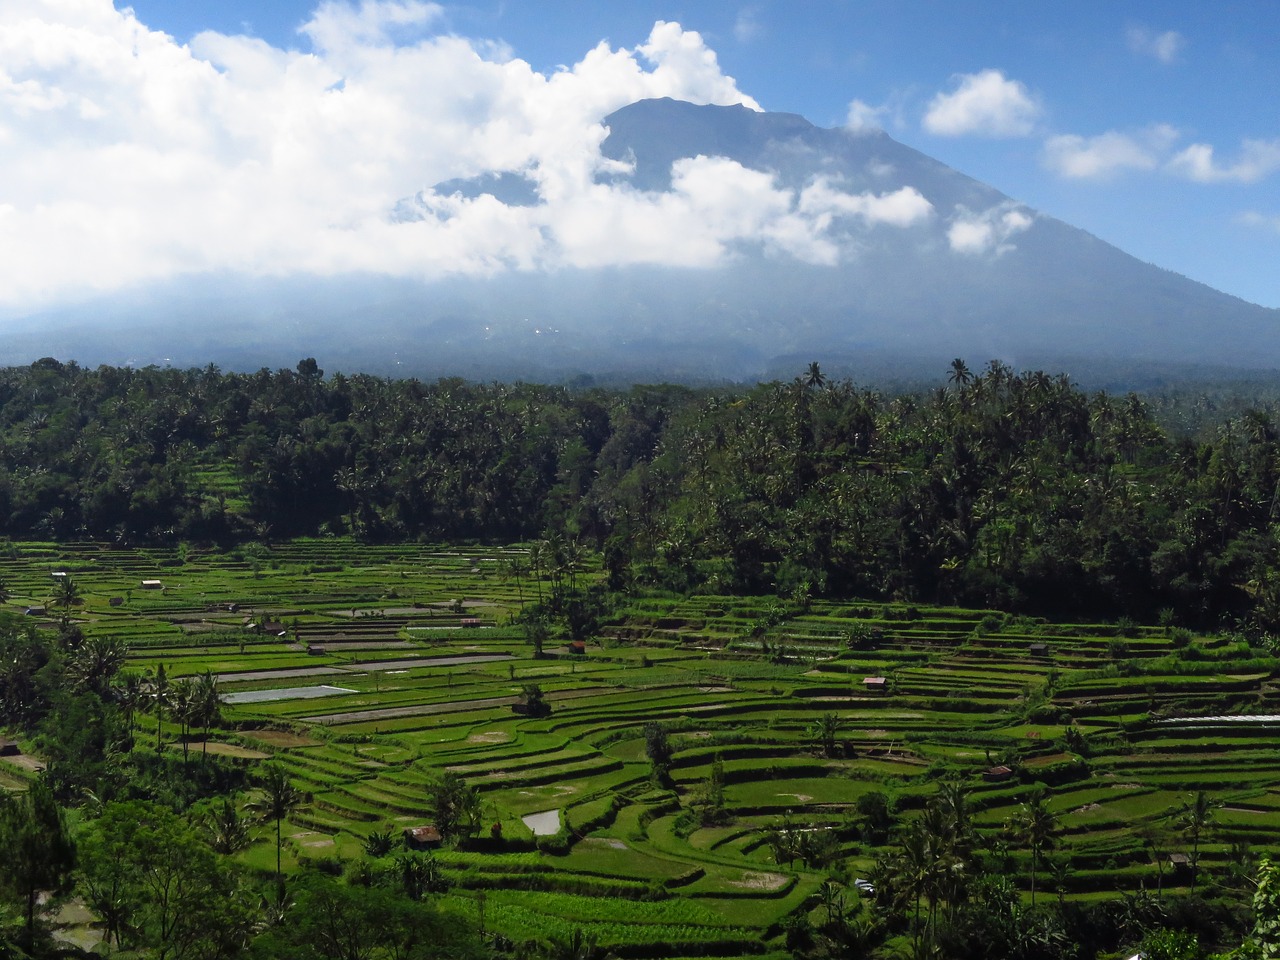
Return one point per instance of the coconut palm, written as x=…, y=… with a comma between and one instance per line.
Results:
x=814, y=376
x=130, y=693
x=1197, y=817
x=206, y=706
x=181, y=707
x=95, y=662
x=277, y=799
x=159, y=691
x=1036, y=824
x=960, y=373
x=66, y=594
x=228, y=831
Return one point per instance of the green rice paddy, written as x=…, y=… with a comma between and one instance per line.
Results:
x=350, y=664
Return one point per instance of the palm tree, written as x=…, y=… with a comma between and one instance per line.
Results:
x=159, y=691
x=206, y=706
x=1037, y=824
x=181, y=707
x=228, y=831
x=131, y=694
x=1197, y=816
x=95, y=662
x=536, y=559
x=814, y=377
x=960, y=373
x=911, y=869
x=66, y=595
x=279, y=798
x=515, y=569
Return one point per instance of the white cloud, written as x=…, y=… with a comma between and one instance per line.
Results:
x=1077, y=157
x=863, y=117
x=715, y=209
x=747, y=26
x=1164, y=47
x=1250, y=218
x=904, y=207
x=989, y=231
x=686, y=65
x=128, y=157
x=336, y=25
x=985, y=104
x=1258, y=159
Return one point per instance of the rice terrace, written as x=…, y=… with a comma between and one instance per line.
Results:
x=702, y=776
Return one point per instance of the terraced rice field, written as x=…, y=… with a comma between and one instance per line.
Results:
x=351, y=666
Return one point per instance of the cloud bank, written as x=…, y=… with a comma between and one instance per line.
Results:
x=1104, y=155
x=126, y=157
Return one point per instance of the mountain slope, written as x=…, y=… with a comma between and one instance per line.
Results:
x=978, y=275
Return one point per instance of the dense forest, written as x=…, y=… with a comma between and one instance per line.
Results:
x=996, y=488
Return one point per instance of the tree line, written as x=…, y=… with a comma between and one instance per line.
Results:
x=997, y=488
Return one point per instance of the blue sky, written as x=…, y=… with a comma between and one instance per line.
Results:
x=1152, y=125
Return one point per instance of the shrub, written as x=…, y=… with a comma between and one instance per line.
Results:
x=379, y=842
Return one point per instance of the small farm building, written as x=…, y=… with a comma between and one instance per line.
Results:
x=531, y=707
x=997, y=774
x=152, y=585
x=422, y=838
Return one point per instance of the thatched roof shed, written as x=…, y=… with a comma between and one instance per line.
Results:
x=423, y=838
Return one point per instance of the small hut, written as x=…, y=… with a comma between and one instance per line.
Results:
x=997, y=774
x=875, y=684
x=577, y=646
x=9, y=748
x=531, y=705
x=469, y=623
x=1038, y=649
x=152, y=584
x=426, y=837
